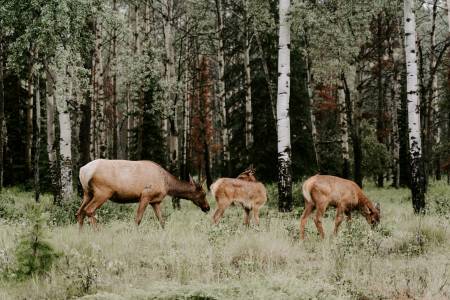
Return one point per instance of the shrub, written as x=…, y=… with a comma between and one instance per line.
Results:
x=33, y=254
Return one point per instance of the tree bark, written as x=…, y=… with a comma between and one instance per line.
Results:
x=283, y=122
x=221, y=88
x=248, y=84
x=394, y=107
x=418, y=181
x=64, y=91
x=37, y=139
x=115, y=129
x=51, y=140
x=343, y=124
x=29, y=119
x=2, y=113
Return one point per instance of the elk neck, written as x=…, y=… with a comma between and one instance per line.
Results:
x=179, y=188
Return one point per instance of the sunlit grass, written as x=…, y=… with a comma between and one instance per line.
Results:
x=407, y=256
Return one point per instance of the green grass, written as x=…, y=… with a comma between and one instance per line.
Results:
x=407, y=256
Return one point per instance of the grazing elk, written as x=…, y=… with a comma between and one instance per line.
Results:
x=245, y=190
x=124, y=181
x=319, y=191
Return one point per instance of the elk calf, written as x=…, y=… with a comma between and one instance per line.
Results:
x=320, y=191
x=245, y=190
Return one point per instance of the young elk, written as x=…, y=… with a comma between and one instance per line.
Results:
x=245, y=190
x=124, y=181
x=320, y=191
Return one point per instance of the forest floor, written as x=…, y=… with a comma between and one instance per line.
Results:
x=406, y=257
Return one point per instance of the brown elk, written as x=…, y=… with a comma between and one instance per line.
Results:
x=124, y=181
x=245, y=190
x=320, y=191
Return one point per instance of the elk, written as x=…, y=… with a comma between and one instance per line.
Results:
x=245, y=189
x=124, y=181
x=320, y=191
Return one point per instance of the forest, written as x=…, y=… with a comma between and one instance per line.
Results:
x=358, y=89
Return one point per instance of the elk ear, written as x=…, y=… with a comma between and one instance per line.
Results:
x=378, y=207
x=191, y=180
x=202, y=182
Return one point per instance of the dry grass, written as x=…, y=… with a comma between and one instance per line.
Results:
x=407, y=257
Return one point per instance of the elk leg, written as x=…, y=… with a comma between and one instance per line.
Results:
x=309, y=207
x=338, y=220
x=80, y=213
x=348, y=214
x=219, y=211
x=256, y=215
x=318, y=220
x=157, y=209
x=143, y=202
x=97, y=201
x=247, y=216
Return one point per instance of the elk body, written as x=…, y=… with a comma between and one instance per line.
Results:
x=320, y=191
x=245, y=190
x=124, y=181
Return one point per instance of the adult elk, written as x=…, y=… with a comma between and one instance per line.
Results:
x=245, y=190
x=320, y=191
x=124, y=181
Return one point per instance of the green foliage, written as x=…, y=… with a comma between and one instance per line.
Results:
x=34, y=254
x=376, y=155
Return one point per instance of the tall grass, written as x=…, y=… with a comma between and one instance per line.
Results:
x=407, y=256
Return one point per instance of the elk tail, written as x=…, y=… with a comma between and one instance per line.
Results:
x=306, y=191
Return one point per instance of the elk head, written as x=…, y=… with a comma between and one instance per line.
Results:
x=199, y=195
x=372, y=214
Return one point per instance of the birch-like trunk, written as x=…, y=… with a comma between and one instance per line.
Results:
x=37, y=141
x=343, y=124
x=64, y=94
x=283, y=122
x=221, y=87
x=418, y=182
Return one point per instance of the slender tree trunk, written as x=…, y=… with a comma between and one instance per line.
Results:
x=381, y=103
x=115, y=129
x=221, y=87
x=418, y=182
x=51, y=137
x=343, y=124
x=101, y=100
x=248, y=84
x=29, y=127
x=395, y=141
x=283, y=122
x=37, y=139
x=65, y=142
x=2, y=113
x=310, y=88
x=171, y=78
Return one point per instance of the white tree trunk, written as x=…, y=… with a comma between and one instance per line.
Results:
x=283, y=122
x=344, y=130
x=417, y=176
x=63, y=94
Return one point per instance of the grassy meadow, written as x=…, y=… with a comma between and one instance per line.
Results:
x=406, y=257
